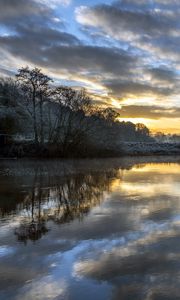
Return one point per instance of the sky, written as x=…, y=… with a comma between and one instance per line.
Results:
x=126, y=53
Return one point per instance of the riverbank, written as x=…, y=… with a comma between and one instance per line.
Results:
x=141, y=148
x=29, y=150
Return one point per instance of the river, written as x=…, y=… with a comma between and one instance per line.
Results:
x=90, y=229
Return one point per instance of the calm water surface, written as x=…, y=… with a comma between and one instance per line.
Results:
x=100, y=229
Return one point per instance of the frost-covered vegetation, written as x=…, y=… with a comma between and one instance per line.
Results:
x=60, y=120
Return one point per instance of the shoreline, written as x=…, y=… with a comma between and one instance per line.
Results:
x=124, y=149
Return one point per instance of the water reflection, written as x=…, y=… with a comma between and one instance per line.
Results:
x=60, y=199
x=105, y=229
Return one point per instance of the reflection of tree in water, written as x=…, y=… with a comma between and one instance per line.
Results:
x=34, y=228
x=71, y=198
x=31, y=231
x=78, y=195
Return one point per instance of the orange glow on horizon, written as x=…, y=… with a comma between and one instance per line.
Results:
x=165, y=125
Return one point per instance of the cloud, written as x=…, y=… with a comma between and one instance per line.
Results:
x=126, y=24
x=44, y=288
x=149, y=112
x=162, y=75
x=130, y=88
x=54, y=3
x=18, y=10
x=54, y=49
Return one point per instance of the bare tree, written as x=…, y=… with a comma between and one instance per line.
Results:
x=72, y=108
x=36, y=85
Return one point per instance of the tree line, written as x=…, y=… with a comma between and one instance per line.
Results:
x=61, y=117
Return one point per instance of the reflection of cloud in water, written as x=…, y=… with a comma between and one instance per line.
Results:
x=5, y=250
x=147, y=190
x=142, y=257
x=43, y=289
x=160, y=168
x=99, y=235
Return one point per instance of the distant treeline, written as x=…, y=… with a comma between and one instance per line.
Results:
x=166, y=138
x=60, y=120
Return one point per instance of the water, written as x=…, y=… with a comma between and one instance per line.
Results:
x=100, y=229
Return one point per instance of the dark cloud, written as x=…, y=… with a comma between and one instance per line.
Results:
x=162, y=75
x=13, y=13
x=36, y=38
x=11, y=9
x=56, y=49
x=120, y=88
x=132, y=5
x=142, y=5
x=151, y=112
x=117, y=21
x=92, y=58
